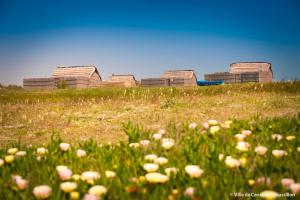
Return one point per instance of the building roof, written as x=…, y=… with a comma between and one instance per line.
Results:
x=179, y=74
x=121, y=77
x=250, y=67
x=75, y=71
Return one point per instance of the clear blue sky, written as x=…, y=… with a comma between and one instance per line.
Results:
x=146, y=37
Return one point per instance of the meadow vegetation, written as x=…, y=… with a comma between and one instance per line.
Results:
x=151, y=143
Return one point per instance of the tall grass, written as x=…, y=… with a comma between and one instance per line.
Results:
x=18, y=96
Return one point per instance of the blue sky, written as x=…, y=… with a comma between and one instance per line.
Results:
x=147, y=37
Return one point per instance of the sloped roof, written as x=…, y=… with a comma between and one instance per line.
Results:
x=250, y=67
x=179, y=74
x=75, y=71
x=121, y=77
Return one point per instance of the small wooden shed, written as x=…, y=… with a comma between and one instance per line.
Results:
x=127, y=79
x=80, y=72
x=264, y=69
x=181, y=77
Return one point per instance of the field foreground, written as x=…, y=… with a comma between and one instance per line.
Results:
x=223, y=142
x=209, y=161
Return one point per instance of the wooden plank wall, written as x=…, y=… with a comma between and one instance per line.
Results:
x=39, y=83
x=233, y=78
x=111, y=84
x=52, y=83
x=155, y=82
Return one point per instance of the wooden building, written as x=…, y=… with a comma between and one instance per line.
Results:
x=181, y=77
x=128, y=80
x=79, y=72
x=264, y=70
x=244, y=72
x=70, y=77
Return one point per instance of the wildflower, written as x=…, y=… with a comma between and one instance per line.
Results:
x=231, y=162
x=161, y=161
x=110, y=174
x=221, y=156
x=251, y=182
x=21, y=153
x=279, y=153
x=162, y=131
x=65, y=174
x=193, y=171
x=287, y=182
x=243, y=161
x=90, y=197
x=263, y=180
x=68, y=187
x=76, y=177
x=167, y=145
x=268, y=194
x=192, y=125
x=98, y=190
x=277, y=137
x=171, y=170
x=157, y=136
x=175, y=192
x=141, y=179
x=290, y=137
x=246, y=132
x=205, y=125
x=90, y=176
x=41, y=151
x=74, y=195
x=42, y=191
x=227, y=124
x=214, y=129
x=155, y=177
x=295, y=188
x=240, y=137
x=134, y=145
x=150, y=167
x=20, y=182
x=298, y=149
x=242, y=146
x=190, y=191
x=61, y=167
x=12, y=151
x=9, y=158
x=261, y=150
x=145, y=143
x=150, y=157
x=64, y=146
x=1, y=162
x=80, y=153
x=212, y=122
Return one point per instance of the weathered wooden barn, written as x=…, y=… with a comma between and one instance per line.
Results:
x=264, y=70
x=79, y=72
x=71, y=77
x=244, y=72
x=181, y=77
x=128, y=80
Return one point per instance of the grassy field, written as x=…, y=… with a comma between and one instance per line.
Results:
x=31, y=117
x=151, y=143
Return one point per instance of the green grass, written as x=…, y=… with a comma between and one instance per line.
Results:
x=105, y=121
x=192, y=146
x=31, y=116
x=17, y=96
